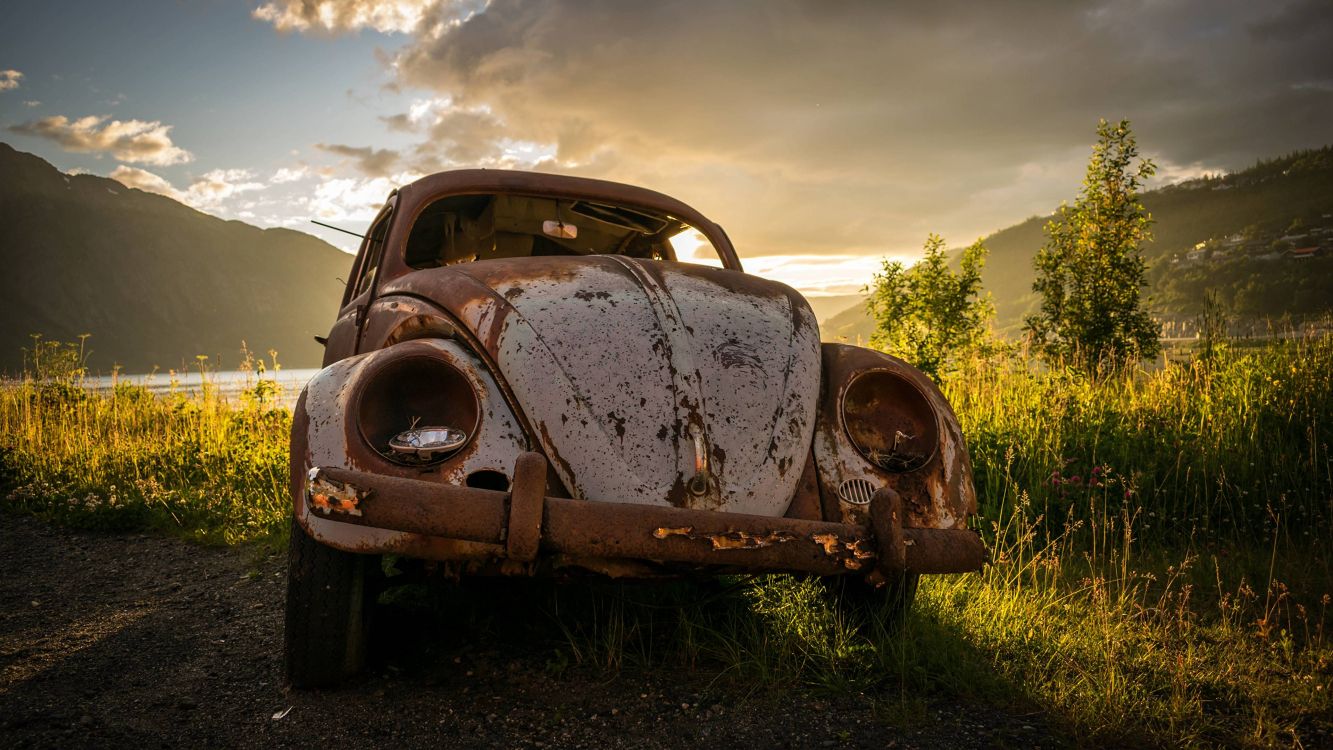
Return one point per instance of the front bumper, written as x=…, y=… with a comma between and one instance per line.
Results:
x=523, y=524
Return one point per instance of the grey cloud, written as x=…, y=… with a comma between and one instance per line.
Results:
x=463, y=136
x=850, y=126
x=400, y=123
x=812, y=126
x=371, y=162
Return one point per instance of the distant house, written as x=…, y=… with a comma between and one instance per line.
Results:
x=1198, y=253
x=1302, y=253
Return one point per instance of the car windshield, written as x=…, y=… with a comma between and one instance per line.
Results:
x=466, y=228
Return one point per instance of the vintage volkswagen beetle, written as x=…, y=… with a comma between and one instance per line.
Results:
x=524, y=379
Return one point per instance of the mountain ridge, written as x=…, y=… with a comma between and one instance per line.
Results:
x=1259, y=203
x=155, y=282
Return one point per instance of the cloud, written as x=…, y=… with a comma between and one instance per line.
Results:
x=136, y=141
x=142, y=179
x=288, y=174
x=351, y=199
x=399, y=122
x=849, y=128
x=857, y=127
x=212, y=189
x=210, y=192
x=369, y=161
x=9, y=79
x=336, y=16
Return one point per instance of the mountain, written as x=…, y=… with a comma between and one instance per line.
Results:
x=154, y=281
x=826, y=306
x=1247, y=223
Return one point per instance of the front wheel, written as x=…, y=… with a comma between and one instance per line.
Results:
x=328, y=607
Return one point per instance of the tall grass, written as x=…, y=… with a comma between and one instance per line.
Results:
x=1161, y=545
x=1225, y=447
x=196, y=464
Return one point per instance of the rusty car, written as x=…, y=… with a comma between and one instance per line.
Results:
x=541, y=375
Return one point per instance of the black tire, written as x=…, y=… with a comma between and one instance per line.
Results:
x=875, y=610
x=329, y=597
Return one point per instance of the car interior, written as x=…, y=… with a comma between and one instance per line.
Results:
x=466, y=228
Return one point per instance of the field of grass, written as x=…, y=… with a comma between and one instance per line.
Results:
x=1162, y=568
x=197, y=465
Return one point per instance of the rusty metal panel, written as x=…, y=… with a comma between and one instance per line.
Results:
x=807, y=503
x=330, y=439
x=578, y=529
x=526, y=500
x=636, y=376
x=939, y=494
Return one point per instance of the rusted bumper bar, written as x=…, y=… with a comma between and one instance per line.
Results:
x=525, y=522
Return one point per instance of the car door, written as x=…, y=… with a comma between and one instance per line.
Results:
x=346, y=329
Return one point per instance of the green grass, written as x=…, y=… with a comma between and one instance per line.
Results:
x=200, y=466
x=1162, y=549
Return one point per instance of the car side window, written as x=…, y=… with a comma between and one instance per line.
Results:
x=373, y=255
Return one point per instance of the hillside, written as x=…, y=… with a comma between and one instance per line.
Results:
x=154, y=281
x=1247, y=220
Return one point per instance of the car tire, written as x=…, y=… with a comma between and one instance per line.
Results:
x=330, y=594
x=882, y=609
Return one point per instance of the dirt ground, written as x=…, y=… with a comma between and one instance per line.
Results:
x=139, y=640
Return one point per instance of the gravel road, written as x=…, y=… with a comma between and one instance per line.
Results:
x=140, y=640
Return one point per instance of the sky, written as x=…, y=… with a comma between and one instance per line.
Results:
x=823, y=135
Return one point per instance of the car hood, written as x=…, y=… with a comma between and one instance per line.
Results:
x=629, y=370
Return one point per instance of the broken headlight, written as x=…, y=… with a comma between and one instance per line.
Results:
x=417, y=410
x=427, y=443
x=890, y=421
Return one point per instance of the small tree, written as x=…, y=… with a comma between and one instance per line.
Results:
x=927, y=314
x=1090, y=269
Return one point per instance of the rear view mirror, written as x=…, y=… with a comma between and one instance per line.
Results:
x=560, y=229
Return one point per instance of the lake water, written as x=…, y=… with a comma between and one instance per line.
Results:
x=227, y=383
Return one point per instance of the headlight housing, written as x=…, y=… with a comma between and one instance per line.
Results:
x=416, y=410
x=890, y=421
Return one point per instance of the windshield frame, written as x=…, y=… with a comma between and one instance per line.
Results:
x=414, y=198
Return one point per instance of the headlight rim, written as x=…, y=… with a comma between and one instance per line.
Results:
x=375, y=374
x=921, y=396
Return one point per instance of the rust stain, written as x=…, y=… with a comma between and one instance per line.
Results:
x=664, y=532
x=728, y=539
x=830, y=542
x=855, y=554
x=331, y=496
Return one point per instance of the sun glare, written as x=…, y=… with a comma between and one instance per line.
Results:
x=692, y=247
